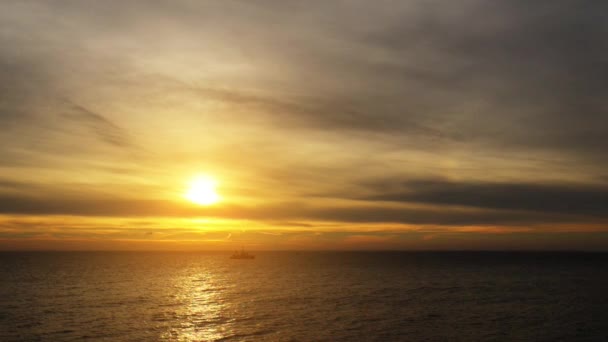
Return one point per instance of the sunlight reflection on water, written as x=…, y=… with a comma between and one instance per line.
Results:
x=203, y=316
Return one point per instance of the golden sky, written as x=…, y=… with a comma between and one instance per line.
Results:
x=326, y=125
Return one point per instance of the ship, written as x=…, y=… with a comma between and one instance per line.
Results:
x=242, y=255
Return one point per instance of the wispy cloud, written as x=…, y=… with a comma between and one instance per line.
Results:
x=105, y=129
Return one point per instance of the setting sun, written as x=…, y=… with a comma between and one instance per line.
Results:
x=202, y=191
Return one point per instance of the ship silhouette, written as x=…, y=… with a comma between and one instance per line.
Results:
x=242, y=255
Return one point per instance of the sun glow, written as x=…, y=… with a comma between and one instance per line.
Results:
x=202, y=191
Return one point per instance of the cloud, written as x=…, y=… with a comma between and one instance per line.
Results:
x=278, y=212
x=573, y=199
x=105, y=129
x=506, y=77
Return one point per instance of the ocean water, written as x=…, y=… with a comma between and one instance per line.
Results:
x=302, y=296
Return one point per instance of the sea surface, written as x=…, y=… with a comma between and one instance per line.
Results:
x=304, y=296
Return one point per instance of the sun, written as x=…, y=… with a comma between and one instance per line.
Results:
x=202, y=191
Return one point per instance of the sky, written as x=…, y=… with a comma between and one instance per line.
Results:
x=414, y=125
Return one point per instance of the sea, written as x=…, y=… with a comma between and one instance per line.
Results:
x=304, y=296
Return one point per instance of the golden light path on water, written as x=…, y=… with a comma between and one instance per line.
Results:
x=204, y=313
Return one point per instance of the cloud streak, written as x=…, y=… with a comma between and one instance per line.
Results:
x=574, y=199
x=105, y=129
x=293, y=211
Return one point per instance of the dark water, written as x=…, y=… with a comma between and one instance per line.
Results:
x=304, y=297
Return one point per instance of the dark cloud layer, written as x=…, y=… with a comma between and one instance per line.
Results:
x=296, y=211
x=573, y=199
